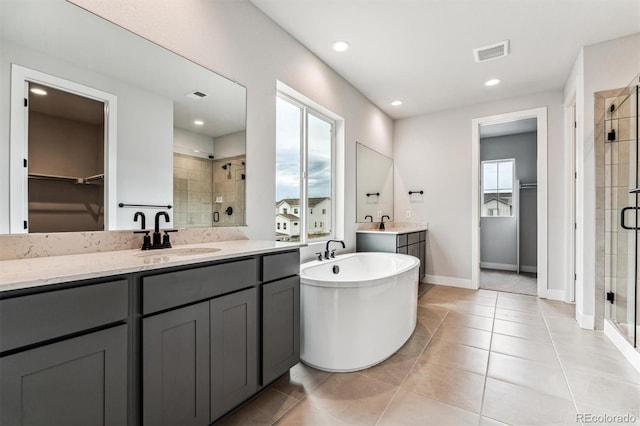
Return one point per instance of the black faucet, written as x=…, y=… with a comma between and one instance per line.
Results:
x=370, y=217
x=326, y=251
x=382, y=222
x=143, y=222
x=156, y=234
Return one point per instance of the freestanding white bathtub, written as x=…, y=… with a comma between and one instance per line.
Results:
x=357, y=309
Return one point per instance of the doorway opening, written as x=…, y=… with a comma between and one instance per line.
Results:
x=509, y=205
x=508, y=219
x=63, y=155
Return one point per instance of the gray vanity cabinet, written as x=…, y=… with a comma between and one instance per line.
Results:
x=56, y=369
x=175, y=367
x=280, y=314
x=199, y=360
x=234, y=350
x=280, y=327
x=411, y=243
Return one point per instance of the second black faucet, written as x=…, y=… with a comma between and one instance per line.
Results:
x=326, y=251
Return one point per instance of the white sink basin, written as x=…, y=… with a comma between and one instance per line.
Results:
x=178, y=252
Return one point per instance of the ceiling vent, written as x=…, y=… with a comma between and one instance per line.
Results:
x=196, y=95
x=493, y=51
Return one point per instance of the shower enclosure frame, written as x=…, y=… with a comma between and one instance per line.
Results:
x=617, y=129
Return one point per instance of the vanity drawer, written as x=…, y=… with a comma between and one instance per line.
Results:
x=401, y=240
x=423, y=235
x=165, y=291
x=414, y=238
x=281, y=265
x=34, y=318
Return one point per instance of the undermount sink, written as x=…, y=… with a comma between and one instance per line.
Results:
x=178, y=251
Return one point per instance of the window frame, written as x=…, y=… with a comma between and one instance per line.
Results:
x=307, y=110
x=513, y=185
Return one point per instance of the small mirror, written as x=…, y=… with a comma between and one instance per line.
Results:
x=374, y=184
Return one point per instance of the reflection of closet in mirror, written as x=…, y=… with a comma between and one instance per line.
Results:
x=65, y=161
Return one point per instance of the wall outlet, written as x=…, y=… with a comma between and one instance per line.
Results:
x=407, y=214
x=218, y=199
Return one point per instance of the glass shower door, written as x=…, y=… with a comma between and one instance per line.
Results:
x=621, y=157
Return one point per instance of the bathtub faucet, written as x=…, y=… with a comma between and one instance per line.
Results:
x=333, y=254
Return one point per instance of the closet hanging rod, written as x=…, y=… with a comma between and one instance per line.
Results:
x=166, y=206
x=73, y=179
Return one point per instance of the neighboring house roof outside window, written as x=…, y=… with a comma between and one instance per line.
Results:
x=288, y=216
x=500, y=200
x=296, y=201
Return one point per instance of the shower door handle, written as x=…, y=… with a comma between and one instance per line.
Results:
x=622, y=224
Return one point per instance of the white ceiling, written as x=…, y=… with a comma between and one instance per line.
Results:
x=509, y=128
x=420, y=51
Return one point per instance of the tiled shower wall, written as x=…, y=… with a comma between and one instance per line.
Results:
x=615, y=175
x=229, y=184
x=197, y=185
x=192, y=191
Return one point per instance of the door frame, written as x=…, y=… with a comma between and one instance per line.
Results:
x=541, y=115
x=18, y=144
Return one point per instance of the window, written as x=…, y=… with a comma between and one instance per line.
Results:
x=497, y=187
x=295, y=211
x=304, y=163
x=278, y=225
x=284, y=210
x=324, y=211
x=284, y=225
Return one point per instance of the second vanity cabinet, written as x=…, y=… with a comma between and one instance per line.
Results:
x=411, y=242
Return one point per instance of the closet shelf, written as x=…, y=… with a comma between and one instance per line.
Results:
x=89, y=180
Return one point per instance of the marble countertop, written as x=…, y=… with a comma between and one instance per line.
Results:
x=396, y=231
x=41, y=271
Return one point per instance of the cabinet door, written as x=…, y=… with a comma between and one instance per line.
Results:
x=79, y=381
x=175, y=370
x=414, y=250
x=234, y=353
x=423, y=259
x=280, y=327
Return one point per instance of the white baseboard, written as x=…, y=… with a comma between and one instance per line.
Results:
x=448, y=281
x=499, y=266
x=587, y=322
x=632, y=355
x=555, y=295
x=508, y=267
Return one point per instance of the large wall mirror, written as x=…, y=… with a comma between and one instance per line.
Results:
x=374, y=184
x=98, y=123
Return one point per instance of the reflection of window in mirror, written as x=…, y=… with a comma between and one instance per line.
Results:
x=497, y=187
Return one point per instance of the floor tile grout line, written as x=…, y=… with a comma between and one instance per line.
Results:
x=299, y=400
x=564, y=373
x=486, y=371
x=412, y=365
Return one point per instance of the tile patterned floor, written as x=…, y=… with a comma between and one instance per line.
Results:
x=476, y=358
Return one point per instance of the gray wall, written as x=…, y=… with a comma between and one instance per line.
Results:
x=498, y=234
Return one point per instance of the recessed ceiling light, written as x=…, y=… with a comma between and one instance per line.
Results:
x=38, y=91
x=198, y=122
x=396, y=103
x=492, y=82
x=340, y=46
